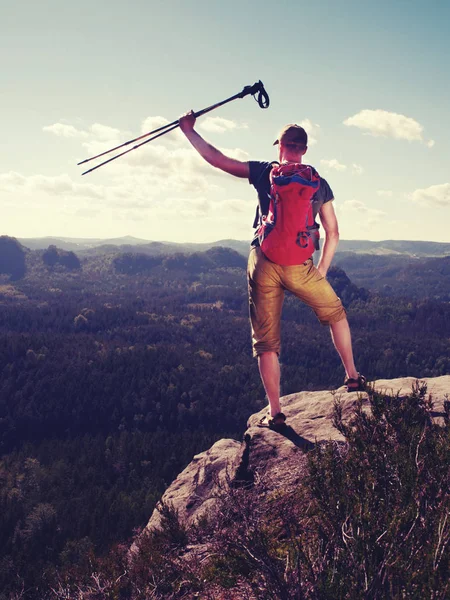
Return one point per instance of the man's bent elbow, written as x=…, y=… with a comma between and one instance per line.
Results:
x=332, y=234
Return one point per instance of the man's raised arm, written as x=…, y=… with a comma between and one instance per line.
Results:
x=213, y=156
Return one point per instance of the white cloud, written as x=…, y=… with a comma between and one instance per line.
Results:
x=140, y=194
x=180, y=207
x=104, y=132
x=385, y=193
x=231, y=206
x=220, y=125
x=236, y=153
x=151, y=123
x=176, y=209
x=87, y=212
x=386, y=124
x=333, y=164
x=97, y=131
x=371, y=216
x=99, y=138
x=94, y=147
x=59, y=185
x=162, y=184
x=174, y=166
x=102, y=138
x=159, y=170
x=63, y=130
x=54, y=186
x=10, y=182
x=352, y=205
x=435, y=195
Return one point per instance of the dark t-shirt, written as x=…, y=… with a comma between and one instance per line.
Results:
x=259, y=178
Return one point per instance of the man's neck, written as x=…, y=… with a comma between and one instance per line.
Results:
x=291, y=159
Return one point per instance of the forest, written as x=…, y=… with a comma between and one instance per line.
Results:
x=117, y=368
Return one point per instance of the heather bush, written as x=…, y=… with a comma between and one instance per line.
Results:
x=370, y=520
x=383, y=501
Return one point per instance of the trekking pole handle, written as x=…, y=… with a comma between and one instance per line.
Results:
x=257, y=88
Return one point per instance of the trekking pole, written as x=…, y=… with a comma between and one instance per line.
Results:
x=256, y=90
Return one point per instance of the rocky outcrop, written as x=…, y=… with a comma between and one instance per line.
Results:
x=270, y=455
x=193, y=491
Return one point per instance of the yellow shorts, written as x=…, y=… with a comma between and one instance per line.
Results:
x=266, y=284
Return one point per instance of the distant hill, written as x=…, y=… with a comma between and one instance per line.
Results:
x=415, y=269
x=93, y=246
x=413, y=277
x=90, y=246
x=68, y=243
x=400, y=247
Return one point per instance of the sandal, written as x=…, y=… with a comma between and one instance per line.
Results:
x=276, y=423
x=356, y=385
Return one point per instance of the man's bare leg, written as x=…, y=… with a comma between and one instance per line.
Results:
x=342, y=339
x=269, y=369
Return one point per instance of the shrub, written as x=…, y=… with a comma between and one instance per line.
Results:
x=369, y=521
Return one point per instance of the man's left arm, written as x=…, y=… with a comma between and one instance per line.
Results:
x=330, y=225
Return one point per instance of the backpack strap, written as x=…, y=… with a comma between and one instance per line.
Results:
x=258, y=216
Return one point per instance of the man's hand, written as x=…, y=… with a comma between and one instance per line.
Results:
x=187, y=122
x=211, y=154
x=322, y=270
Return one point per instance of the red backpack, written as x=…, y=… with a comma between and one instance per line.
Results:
x=288, y=234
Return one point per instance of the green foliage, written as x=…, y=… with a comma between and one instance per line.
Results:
x=12, y=257
x=347, y=291
x=185, y=264
x=69, y=260
x=130, y=264
x=50, y=256
x=171, y=530
x=383, y=500
x=400, y=276
x=111, y=382
x=53, y=256
x=81, y=496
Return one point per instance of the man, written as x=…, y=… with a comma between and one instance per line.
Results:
x=267, y=280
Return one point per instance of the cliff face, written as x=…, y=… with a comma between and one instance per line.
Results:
x=269, y=455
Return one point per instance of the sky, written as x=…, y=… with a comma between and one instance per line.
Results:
x=368, y=81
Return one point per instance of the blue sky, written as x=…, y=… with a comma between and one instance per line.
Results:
x=370, y=83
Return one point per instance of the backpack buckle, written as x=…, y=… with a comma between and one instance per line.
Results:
x=303, y=239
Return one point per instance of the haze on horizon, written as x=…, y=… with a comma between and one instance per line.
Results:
x=369, y=84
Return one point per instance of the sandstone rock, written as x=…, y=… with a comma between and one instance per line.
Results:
x=270, y=455
x=193, y=492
